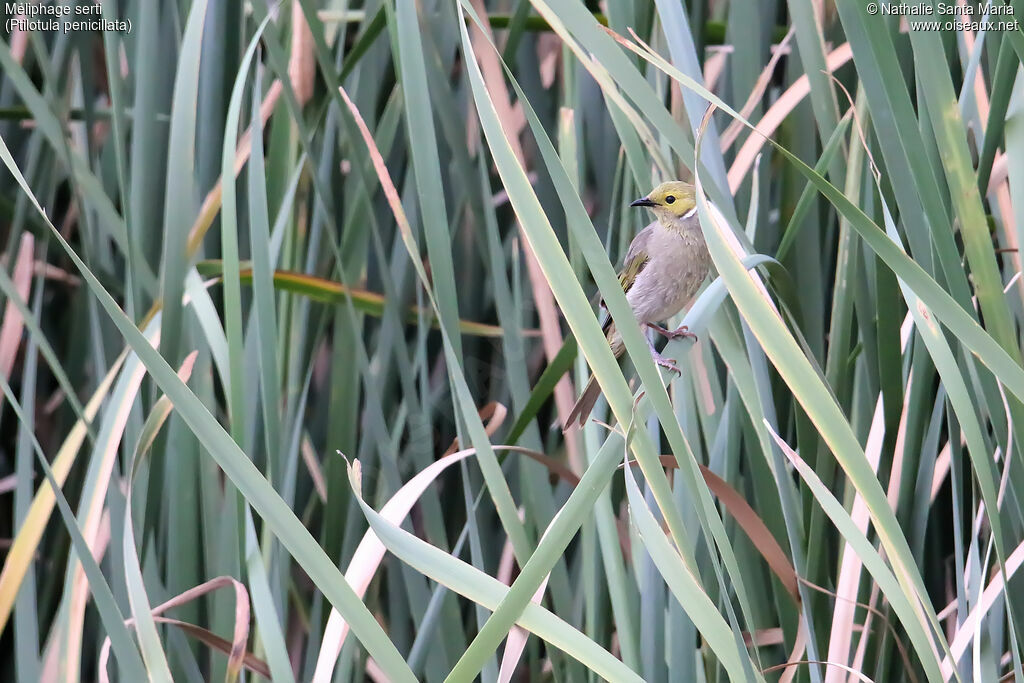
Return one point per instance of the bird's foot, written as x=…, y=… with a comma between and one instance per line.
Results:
x=680, y=332
x=664, y=362
x=667, y=363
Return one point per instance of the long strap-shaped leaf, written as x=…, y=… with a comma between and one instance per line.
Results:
x=959, y=321
x=110, y=615
x=811, y=392
x=595, y=348
x=275, y=512
x=329, y=291
x=683, y=584
x=474, y=584
x=29, y=534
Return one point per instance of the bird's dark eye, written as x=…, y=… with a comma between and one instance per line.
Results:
x=669, y=199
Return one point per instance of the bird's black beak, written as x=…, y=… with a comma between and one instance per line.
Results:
x=643, y=201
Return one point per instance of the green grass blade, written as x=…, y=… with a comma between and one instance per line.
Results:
x=127, y=654
x=820, y=406
x=180, y=191
x=488, y=591
x=263, y=299
x=241, y=471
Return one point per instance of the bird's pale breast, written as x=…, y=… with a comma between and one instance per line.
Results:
x=679, y=262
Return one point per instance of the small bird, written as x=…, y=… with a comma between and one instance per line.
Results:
x=664, y=267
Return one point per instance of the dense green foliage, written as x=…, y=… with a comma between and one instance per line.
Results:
x=300, y=391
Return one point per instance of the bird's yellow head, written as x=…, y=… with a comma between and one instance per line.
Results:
x=670, y=202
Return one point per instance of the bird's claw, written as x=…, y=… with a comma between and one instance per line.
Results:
x=667, y=363
x=680, y=332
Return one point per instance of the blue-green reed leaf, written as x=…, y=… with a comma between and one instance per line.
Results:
x=239, y=468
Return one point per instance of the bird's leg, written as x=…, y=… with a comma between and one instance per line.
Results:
x=666, y=363
x=681, y=331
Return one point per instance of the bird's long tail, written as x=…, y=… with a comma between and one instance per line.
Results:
x=585, y=404
x=581, y=411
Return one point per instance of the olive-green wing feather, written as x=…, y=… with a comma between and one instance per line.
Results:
x=627, y=276
x=636, y=259
x=632, y=268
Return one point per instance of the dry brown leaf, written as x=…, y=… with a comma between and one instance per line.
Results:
x=495, y=414
x=237, y=655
